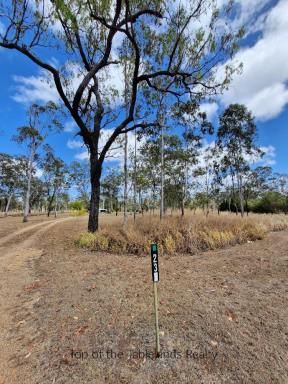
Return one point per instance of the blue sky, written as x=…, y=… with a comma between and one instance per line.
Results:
x=262, y=86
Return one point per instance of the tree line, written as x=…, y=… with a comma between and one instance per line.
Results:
x=165, y=61
x=164, y=169
x=224, y=175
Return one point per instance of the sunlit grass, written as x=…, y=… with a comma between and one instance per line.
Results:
x=189, y=234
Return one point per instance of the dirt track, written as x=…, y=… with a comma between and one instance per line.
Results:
x=229, y=308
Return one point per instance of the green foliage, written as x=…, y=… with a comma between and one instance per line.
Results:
x=77, y=205
x=79, y=177
x=270, y=202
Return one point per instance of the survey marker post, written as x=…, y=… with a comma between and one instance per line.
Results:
x=155, y=279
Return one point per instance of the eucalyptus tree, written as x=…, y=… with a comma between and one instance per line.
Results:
x=173, y=159
x=141, y=174
x=195, y=126
x=12, y=177
x=110, y=187
x=167, y=43
x=80, y=179
x=37, y=197
x=33, y=136
x=236, y=137
x=55, y=177
x=282, y=186
x=256, y=182
x=180, y=158
x=209, y=178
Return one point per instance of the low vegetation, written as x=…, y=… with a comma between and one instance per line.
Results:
x=189, y=234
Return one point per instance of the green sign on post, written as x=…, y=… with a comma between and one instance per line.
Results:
x=155, y=279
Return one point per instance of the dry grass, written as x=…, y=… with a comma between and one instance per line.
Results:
x=189, y=234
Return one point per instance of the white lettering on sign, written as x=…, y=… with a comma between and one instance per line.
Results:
x=155, y=267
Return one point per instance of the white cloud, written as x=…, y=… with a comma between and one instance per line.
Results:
x=263, y=84
x=117, y=150
x=73, y=144
x=82, y=156
x=39, y=172
x=69, y=126
x=269, y=102
x=34, y=89
x=269, y=157
x=249, y=11
x=41, y=88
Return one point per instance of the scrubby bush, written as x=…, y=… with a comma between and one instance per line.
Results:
x=270, y=202
x=190, y=234
x=78, y=208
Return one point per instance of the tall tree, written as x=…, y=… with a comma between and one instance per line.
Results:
x=55, y=175
x=111, y=187
x=33, y=136
x=80, y=179
x=236, y=137
x=12, y=177
x=256, y=182
x=164, y=45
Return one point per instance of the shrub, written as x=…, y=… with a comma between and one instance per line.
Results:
x=86, y=240
x=189, y=234
x=78, y=208
x=169, y=244
x=79, y=212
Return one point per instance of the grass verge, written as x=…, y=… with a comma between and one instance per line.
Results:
x=189, y=234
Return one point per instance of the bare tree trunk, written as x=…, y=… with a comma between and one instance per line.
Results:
x=125, y=217
x=95, y=175
x=234, y=195
x=247, y=209
x=140, y=202
x=111, y=202
x=55, y=206
x=162, y=173
x=229, y=204
x=183, y=202
x=8, y=204
x=50, y=202
x=135, y=174
x=240, y=189
x=28, y=192
x=207, y=196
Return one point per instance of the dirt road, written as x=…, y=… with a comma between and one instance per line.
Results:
x=70, y=316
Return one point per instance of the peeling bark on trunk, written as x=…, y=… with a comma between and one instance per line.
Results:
x=8, y=203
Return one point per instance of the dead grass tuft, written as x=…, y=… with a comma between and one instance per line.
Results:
x=189, y=234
